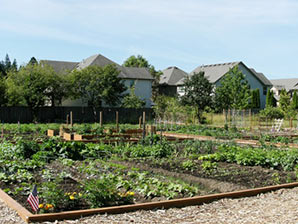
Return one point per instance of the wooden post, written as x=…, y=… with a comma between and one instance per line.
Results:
x=250, y=120
x=144, y=125
x=117, y=121
x=100, y=118
x=291, y=123
x=71, y=121
x=229, y=115
x=67, y=118
x=224, y=115
x=140, y=122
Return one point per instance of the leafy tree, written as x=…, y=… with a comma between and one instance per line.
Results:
x=136, y=61
x=95, y=84
x=285, y=104
x=132, y=100
x=198, y=93
x=233, y=91
x=140, y=62
x=30, y=86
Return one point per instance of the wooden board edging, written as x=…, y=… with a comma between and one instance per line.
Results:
x=152, y=205
x=23, y=212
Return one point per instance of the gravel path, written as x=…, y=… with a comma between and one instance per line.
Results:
x=276, y=207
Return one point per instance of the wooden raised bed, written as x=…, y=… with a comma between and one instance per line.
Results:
x=29, y=217
x=52, y=132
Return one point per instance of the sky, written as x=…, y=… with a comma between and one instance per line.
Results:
x=184, y=33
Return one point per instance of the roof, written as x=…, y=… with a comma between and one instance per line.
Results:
x=261, y=77
x=287, y=84
x=60, y=66
x=100, y=60
x=214, y=72
x=135, y=73
x=172, y=75
x=96, y=59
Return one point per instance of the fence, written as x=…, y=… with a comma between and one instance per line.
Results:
x=80, y=114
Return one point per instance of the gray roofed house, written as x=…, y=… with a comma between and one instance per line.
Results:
x=256, y=80
x=287, y=84
x=290, y=85
x=60, y=66
x=141, y=78
x=169, y=80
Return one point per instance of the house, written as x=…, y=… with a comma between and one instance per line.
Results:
x=168, y=81
x=215, y=73
x=140, y=78
x=290, y=85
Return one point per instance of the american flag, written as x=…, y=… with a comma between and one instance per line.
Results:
x=33, y=199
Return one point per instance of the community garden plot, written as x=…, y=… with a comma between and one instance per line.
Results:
x=74, y=175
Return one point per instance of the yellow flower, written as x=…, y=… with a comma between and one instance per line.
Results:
x=40, y=206
x=71, y=197
x=131, y=193
x=74, y=193
x=80, y=195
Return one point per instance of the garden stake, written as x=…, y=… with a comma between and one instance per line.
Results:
x=71, y=124
x=100, y=118
x=117, y=121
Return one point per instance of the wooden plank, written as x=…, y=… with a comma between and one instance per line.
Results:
x=161, y=204
x=22, y=212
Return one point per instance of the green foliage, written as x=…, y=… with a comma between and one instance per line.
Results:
x=255, y=101
x=270, y=100
x=272, y=113
x=233, y=91
x=209, y=166
x=198, y=93
x=273, y=158
x=286, y=106
x=294, y=101
x=102, y=191
x=95, y=84
x=188, y=165
x=132, y=100
x=33, y=86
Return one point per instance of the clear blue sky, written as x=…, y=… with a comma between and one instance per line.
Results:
x=185, y=33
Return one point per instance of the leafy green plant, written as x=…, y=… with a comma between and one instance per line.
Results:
x=209, y=166
x=188, y=165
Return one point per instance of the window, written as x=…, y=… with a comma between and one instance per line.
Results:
x=264, y=90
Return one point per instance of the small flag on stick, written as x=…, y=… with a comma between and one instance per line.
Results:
x=33, y=199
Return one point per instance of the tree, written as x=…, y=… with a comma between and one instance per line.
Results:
x=270, y=100
x=198, y=93
x=295, y=101
x=95, y=84
x=30, y=86
x=7, y=63
x=3, y=99
x=286, y=105
x=33, y=61
x=140, y=62
x=132, y=100
x=255, y=100
x=14, y=65
x=233, y=91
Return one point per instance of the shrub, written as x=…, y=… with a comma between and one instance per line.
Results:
x=272, y=113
